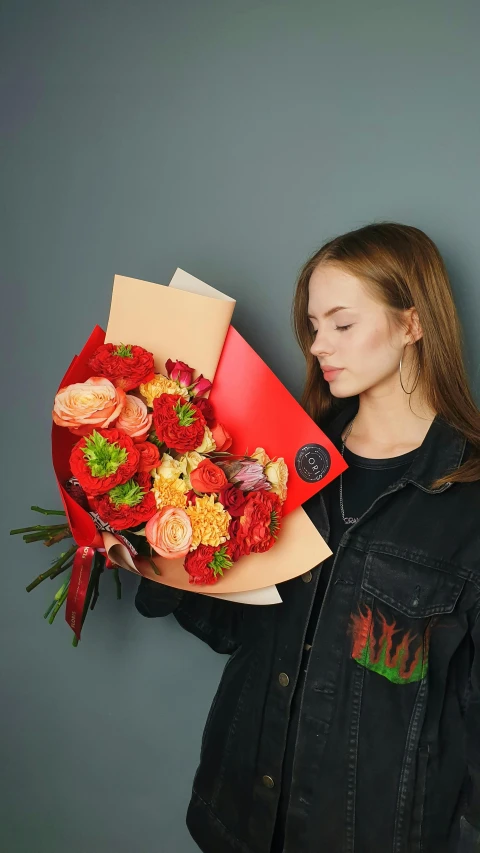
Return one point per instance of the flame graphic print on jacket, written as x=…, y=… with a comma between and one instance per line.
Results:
x=377, y=646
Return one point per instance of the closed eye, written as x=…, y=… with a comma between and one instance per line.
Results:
x=343, y=328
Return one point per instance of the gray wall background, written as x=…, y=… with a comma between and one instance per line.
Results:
x=231, y=139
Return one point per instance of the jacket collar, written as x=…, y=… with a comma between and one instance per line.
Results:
x=441, y=451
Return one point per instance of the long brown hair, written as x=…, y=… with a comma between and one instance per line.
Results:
x=401, y=267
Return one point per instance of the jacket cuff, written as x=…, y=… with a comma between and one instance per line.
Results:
x=156, y=599
x=472, y=813
x=469, y=841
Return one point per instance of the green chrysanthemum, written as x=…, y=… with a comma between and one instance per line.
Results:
x=103, y=457
x=186, y=413
x=220, y=561
x=129, y=494
x=124, y=351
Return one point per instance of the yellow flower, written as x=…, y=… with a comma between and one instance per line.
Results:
x=161, y=385
x=208, y=443
x=277, y=474
x=169, y=492
x=261, y=457
x=209, y=522
x=170, y=469
x=188, y=462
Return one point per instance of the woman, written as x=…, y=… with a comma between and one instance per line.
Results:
x=347, y=719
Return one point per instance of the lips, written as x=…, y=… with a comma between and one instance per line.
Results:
x=331, y=372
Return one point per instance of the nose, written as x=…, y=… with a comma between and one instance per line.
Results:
x=320, y=347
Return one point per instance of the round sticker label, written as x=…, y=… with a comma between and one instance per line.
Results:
x=312, y=462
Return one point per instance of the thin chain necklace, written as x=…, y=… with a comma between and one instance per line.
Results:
x=349, y=519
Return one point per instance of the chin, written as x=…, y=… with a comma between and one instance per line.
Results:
x=336, y=390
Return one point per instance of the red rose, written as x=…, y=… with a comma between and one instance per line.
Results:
x=259, y=523
x=114, y=509
x=221, y=437
x=125, y=366
x=233, y=500
x=196, y=564
x=180, y=372
x=103, y=460
x=200, y=386
x=149, y=456
x=207, y=411
x=208, y=478
x=178, y=423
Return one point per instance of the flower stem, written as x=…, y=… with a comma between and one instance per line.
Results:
x=96, y=589
x=60, y=599
x=46, y=534
x=61, y=569
x=51, y=571
x=43, y=527
x=47, y=612
x=48, y=511
x=58, y=537
x=154, y=567
x=116, y=577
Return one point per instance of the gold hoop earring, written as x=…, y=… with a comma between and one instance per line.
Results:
x=400, y=372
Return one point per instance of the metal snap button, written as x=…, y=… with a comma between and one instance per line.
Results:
x=284, y=679
x=268, y=781
x=307, y=577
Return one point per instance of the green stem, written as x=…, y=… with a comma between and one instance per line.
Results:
x=61, y=569
x=118, y=583
x=45, y=527
x=154, y=567
x=48, y=511
x=62, y=594
x=45, y=535
x=60, y=562
x=47, y=612
x=66, y=534
x=96, y=590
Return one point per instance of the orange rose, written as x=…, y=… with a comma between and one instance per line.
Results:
x=169, y=532
x=208, y=478
x=85, y=406
x=222, y=439
x=134, y=418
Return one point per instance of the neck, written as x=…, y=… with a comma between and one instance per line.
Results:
x=389, y=424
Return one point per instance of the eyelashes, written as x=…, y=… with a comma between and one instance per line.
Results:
x=337, y=328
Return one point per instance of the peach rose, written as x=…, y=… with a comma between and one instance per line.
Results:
x=169, y=532
x=134, y=418
x=85, y=406
x=221, y=437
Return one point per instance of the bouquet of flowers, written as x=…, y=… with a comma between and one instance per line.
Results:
x=150, y=479
x=152, y=460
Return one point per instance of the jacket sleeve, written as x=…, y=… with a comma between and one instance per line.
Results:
x=215, y=621
x=470, y=829
x=469, y=838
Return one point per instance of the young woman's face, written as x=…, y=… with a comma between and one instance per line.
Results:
x=357, y=339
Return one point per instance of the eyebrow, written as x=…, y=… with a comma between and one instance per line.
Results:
x=332, y=311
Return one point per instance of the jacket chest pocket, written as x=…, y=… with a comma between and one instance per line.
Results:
x=399, y=604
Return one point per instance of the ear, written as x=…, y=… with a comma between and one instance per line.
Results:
x=414, y=329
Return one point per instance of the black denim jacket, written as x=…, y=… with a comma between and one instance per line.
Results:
x=388, y=752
